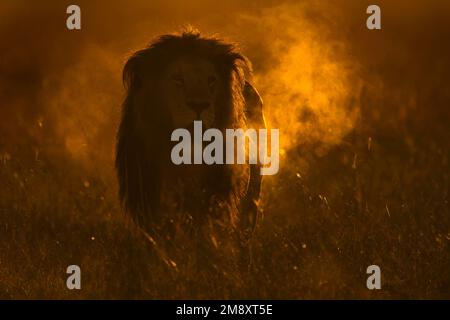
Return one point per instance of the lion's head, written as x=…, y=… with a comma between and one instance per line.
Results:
x=171, y=83
x=191, y=89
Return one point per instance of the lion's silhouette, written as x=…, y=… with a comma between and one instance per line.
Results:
x=177, y=79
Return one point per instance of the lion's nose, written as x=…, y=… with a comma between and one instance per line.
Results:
x=198, y=106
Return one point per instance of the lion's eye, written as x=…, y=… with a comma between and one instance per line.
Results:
x=179, y=81
x=211, y=81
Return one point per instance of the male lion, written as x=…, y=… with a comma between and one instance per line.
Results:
x=175, y=80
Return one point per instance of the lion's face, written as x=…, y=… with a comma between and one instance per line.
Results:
x=190, y=88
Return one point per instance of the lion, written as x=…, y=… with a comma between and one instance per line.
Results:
x=177, y=79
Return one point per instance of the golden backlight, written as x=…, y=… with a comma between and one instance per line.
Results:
x=363, y=118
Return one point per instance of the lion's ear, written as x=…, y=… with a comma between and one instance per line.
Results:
x=129, y=75
x=136, y=67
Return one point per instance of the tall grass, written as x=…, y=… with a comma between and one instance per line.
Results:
x=380, y=202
